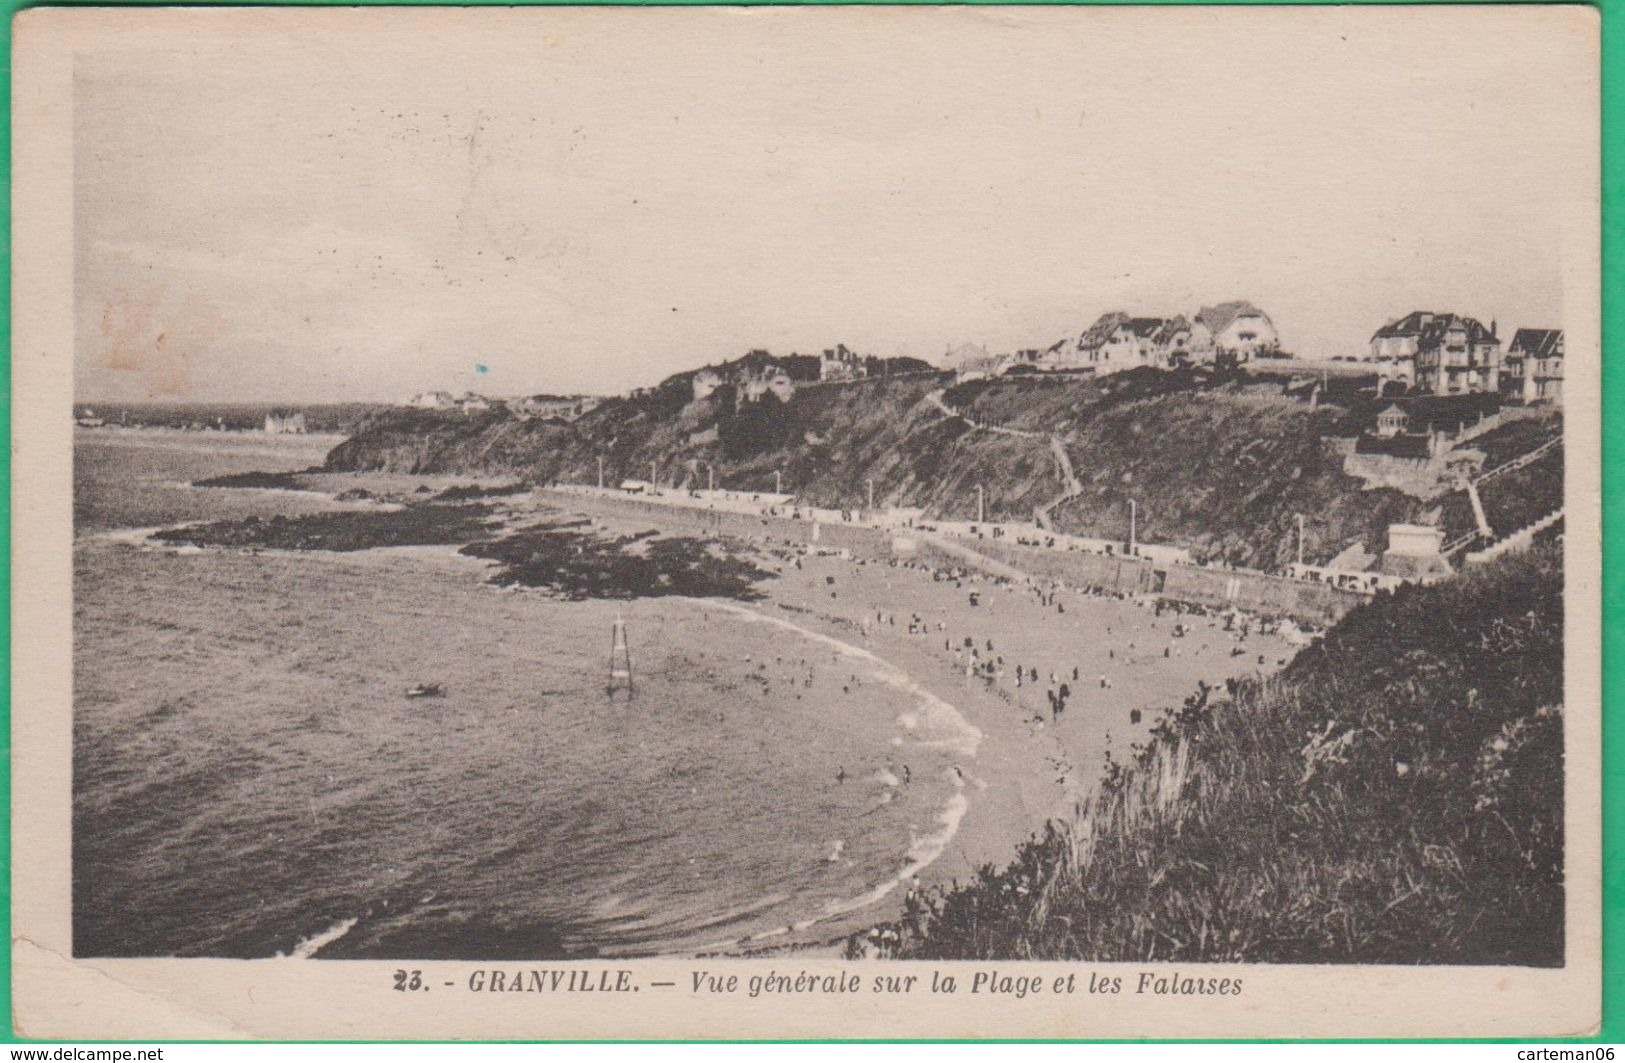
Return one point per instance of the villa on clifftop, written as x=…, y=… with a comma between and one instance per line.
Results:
x=1532, y=368
x=1229, y=333
x=1440, y=353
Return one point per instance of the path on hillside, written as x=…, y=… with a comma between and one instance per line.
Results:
x=1518, y=540
x=935, y=399
x=1041, y=514
x=1520, y=461
x=1484, y=531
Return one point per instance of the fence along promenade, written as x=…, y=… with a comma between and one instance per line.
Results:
x=1002, y=556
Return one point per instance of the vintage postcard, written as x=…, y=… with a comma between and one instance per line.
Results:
x=834, y=522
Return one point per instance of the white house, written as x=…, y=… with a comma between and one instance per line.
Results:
x=770, y=379
x=1236, y=329
x=1532, y=368
x=1444, y=353
x=840, y=363
x=705, y=382
x=285, y=422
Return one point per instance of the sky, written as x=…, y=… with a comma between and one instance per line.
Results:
x=590, y=200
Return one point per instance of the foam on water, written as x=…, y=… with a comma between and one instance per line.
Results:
x=813, y=850
x=923, y=849
x=965, y=738
x=307, y=948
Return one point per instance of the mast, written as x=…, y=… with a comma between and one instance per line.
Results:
x=620, y=656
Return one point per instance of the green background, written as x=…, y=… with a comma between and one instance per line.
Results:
x=1613, y=476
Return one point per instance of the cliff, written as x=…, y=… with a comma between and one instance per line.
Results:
x=1219, y=465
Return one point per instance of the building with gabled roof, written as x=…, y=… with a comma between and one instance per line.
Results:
x=1532, y=367
x=1094, y=338
x=1172, y=341
x=1236, y=331
x=1443, y=353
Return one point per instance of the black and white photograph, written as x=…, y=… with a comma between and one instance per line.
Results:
x=846, y=490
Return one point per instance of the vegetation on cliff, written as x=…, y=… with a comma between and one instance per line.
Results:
x=1395, y=795
x=1220, y=463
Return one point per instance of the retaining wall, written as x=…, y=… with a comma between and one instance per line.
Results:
x=1315, y=603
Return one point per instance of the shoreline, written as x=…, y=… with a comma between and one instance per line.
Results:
x=1028, y=771
x=1024, y=771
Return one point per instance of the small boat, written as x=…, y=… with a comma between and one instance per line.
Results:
x=425, y=690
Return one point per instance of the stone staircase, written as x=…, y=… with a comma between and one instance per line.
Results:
x=1518, y=540
x=1041, y=515
x=1521, y=460
x=1484, y=532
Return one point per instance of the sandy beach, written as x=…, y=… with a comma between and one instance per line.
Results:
x=1122, y=664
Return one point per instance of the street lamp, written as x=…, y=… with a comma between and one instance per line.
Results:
x=1133, y=521
x=1300, y=539
x=871, y=486
x=980, y=508
x=600, y=472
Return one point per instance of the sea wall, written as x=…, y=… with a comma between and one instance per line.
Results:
x=1315, y=603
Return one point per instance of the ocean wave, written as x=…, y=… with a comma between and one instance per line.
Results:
x=923, y=850
x=964, y=739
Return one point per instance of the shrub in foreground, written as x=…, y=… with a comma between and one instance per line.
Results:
x=1394, y=796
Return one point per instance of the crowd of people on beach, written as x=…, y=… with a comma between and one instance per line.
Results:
x=976, y=656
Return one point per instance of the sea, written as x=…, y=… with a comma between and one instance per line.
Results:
x=251, y=780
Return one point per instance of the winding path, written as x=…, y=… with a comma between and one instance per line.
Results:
x=1041, y=514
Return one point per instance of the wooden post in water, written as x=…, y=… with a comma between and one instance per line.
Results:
x=620, y=657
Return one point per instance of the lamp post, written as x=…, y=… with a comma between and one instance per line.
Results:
x=870, y=484
x=1300, y=539
x=710, y=477
x=1133, y=522
x=980, y=508
x=778, y=481
x=600, y=472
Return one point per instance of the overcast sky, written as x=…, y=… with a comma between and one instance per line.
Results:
x=589, y=201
